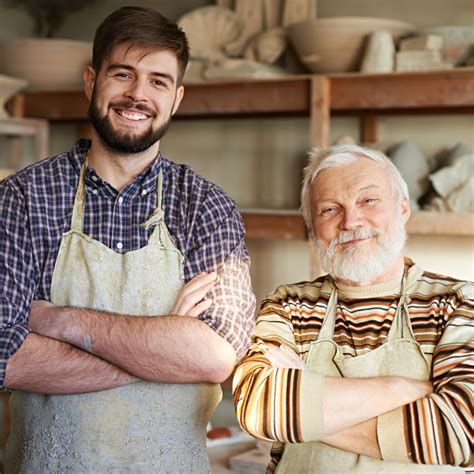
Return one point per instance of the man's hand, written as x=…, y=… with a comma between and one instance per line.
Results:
x=284, y=358
x=189, y=301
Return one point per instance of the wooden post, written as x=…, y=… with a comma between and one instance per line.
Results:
x=368, y=128
x=320, y=114
x=320, y=111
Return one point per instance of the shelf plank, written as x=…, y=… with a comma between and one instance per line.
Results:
x=435, y=90
x=274, y=225
x=441, y=223
x=355, y=93
x=287, y=96
x=289, y=225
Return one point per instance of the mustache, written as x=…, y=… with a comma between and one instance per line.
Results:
x=130, y=104
x=349, y=235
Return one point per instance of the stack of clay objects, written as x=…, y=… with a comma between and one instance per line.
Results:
x=421, y=53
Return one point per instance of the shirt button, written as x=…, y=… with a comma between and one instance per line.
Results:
x=119, y=245
x=94, y=191
x=144, y=192
x=120, y=200
x=94, y=178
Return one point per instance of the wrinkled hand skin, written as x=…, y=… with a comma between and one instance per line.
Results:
x=41, y=319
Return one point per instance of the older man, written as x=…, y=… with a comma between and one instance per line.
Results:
x=368, y=368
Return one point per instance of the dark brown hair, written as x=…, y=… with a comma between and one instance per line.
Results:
x=140, y=27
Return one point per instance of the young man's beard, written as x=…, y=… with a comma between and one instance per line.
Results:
x=124, y=143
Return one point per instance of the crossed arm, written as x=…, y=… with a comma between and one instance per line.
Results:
x=351, y=405
x=76, y=350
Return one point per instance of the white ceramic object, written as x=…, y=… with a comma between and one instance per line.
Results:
x=9, y=86
x=209, y=30
x=379, y=55
x=458, y=41
x=336, y=44
x=46, y=63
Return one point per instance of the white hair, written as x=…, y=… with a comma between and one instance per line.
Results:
x=342, y=155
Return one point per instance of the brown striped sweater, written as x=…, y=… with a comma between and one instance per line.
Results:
x=285, y=405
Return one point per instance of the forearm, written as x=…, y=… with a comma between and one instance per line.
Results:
x=310, y=407
x=173, y=349
x=360, y=439
x=350, y=401
x=45, y=365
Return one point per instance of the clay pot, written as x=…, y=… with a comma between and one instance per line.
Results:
x=458, y=42
x=336, y=44
x=9, y=86
x=47, y=64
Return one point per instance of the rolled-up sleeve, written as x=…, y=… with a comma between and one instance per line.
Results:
x=219, y=246
x=17, y=273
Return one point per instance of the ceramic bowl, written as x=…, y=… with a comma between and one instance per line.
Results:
x=336, y=44
x=9, y=86
x=47, y=64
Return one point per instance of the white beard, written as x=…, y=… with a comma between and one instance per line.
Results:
x=355, y=264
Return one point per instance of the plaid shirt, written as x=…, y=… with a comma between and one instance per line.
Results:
x=36, y=208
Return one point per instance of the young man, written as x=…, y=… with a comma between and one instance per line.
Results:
x=113, y=359
x=368, y=368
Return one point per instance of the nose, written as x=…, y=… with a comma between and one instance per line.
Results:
x=137, y=91
x=351, y=219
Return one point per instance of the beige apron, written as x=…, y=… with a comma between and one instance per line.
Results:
x=143, y=427
x=401, y=355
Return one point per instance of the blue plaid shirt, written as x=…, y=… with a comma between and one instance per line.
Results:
x=36, y=209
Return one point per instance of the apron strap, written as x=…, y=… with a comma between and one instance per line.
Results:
x=79, y=201
x=327, y=328
x=401, y=325
x=158, y=214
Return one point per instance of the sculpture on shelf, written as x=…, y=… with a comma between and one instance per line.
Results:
x=241, y=38
x=379, y=52
x=414, y=168
x=453, y=182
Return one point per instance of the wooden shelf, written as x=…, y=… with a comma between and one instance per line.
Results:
x=265, y=224
x=449, y=91
x=316, y=96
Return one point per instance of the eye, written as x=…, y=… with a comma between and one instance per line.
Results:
x=327, y=211
x=159, y=83
x=370, y=201
x=122, y=75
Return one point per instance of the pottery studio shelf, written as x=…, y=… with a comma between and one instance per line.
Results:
x=316, y=96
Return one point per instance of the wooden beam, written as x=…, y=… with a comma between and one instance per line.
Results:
x=285, y=96
x=289, y=224
x=396, y=91
x=274, y=225
x=441, y=223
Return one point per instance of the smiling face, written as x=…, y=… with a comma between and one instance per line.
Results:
x=133, y=97
x=358, y=224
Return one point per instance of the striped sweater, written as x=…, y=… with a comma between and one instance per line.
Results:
x=285, y=405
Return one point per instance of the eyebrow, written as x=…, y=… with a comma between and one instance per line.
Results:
x=157, y=74
x=365, y=188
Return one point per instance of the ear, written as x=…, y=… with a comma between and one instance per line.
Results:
x=179, y=98
x=405, y=208
x=89, y=81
